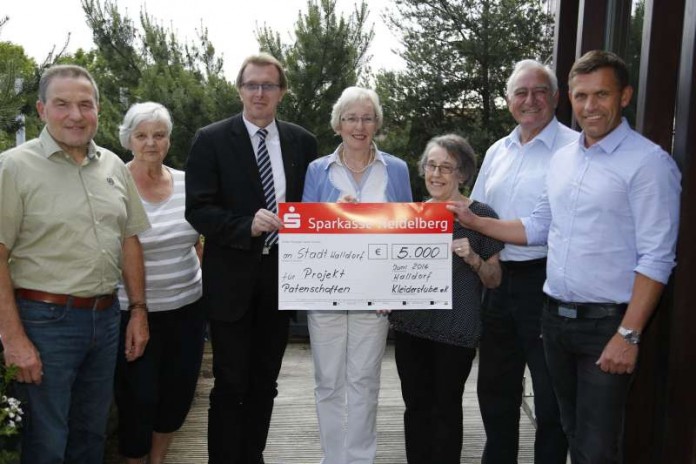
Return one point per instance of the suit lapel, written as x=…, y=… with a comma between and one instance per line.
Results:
x=288, y=149
x=243, y=152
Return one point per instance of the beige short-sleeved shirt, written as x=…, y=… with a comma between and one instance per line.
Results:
x=64, y=224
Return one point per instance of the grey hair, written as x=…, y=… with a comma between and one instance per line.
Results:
x=65, y=70
x=352, y=95
x=528, y=65
x=142, y=112
x=459, y=149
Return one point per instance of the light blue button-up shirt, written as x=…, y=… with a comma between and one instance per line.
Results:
x=513, y=175
x=609, y=211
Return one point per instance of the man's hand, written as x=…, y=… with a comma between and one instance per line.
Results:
x=18, y=349
x=264, y=221
x=618, y=357
x=463, y=214
x=21, y=352
x=137, y=334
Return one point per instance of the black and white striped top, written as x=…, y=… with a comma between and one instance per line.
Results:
x=172, y=270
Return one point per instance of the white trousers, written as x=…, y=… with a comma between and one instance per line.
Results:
x=347, y=347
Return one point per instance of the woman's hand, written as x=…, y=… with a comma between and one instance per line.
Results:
x=462, y=248
x=488, y=271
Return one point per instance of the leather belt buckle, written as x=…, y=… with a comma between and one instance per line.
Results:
x=567, y=311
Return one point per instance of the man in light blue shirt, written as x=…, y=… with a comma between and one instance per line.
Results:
x=511, y=181
x=610, y=217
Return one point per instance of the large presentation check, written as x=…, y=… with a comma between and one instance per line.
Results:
x=365, y=256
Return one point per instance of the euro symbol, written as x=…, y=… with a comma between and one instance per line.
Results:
x=378, y=251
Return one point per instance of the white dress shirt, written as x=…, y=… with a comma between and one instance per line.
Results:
x=274, y=152
x=513, y=176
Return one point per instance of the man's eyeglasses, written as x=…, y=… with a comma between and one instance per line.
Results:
x=445, y=169
x=354, y=120
x=265, y=87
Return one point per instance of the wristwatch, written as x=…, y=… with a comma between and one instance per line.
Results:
x=631, y=336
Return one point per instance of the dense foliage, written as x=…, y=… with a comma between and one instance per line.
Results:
x=147, y=62
x=329, y=54
x=459, y=54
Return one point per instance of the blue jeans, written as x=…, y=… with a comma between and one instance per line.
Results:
x=591, y=401
x=65, y=416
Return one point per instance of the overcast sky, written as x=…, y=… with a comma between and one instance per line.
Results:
x=38, y=25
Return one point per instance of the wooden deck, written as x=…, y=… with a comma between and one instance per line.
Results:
x=294, y=437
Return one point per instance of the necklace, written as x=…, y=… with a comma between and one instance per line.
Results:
x=370, y=160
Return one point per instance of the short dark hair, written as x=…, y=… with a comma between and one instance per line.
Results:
x=65, y=70
x=597, y=59
x=262, y=59
x=459, y=149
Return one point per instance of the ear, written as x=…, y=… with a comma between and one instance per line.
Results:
x=626, y=95
x=40, y=108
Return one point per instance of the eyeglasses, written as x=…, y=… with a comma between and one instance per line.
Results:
x=445, y=169
x=265, y=87
x=354, y=120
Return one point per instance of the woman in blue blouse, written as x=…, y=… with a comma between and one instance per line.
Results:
x=347, y=346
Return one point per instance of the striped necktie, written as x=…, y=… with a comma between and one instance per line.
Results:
x=266, y=173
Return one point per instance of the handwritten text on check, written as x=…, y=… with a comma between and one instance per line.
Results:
x=365, y=256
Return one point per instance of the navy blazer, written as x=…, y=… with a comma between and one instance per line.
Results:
x=223, y=193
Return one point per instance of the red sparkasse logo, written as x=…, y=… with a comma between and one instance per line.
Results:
x=365, y=218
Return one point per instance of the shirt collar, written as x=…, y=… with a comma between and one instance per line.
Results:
x=610, y=142
x=334, y=158
x=546, y=136
x=50, y=147
x=252, y=128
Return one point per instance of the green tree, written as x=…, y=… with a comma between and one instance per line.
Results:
x=146, y=62
x=16, y=68
x=328, y=55
x=19, y=83
x=458, y=55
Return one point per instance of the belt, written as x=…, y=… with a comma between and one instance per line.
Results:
x=98, y=303
x=584, y=310
x=519, y=265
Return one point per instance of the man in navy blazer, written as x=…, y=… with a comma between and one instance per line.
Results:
x=225, y=202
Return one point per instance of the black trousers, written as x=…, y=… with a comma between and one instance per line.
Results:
x=154, y=393
x=247, y=357
x=432, y=377
x=592, y=401
x=511, y=339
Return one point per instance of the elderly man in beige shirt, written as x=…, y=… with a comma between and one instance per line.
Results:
x=70, y=214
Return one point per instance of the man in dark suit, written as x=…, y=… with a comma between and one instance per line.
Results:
x=227, y=202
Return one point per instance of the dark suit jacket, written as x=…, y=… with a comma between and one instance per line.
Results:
x=223, y=192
